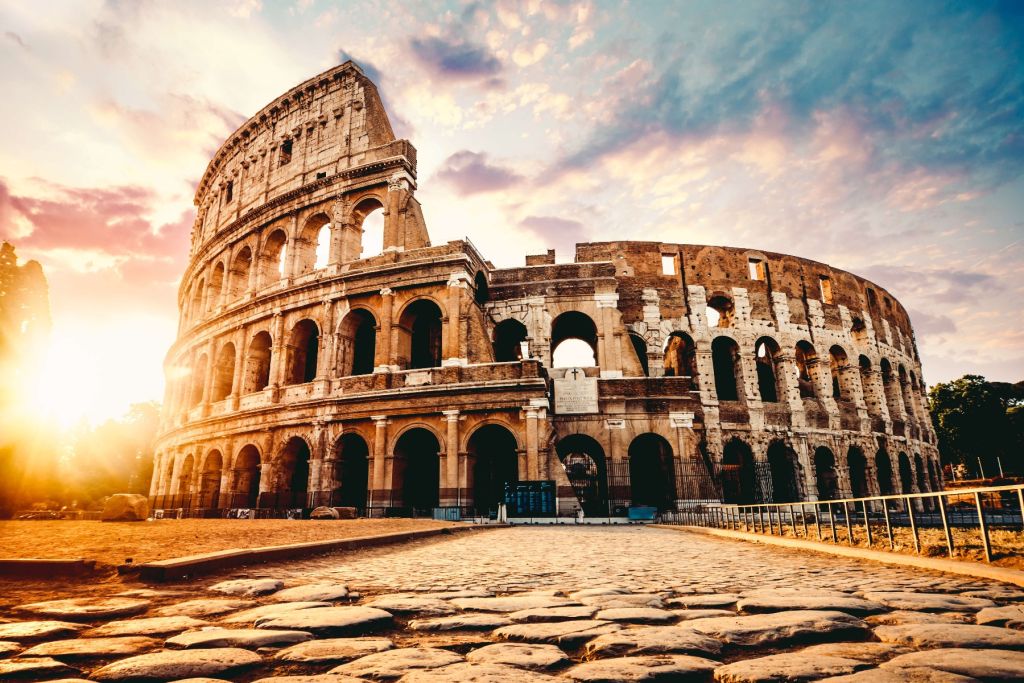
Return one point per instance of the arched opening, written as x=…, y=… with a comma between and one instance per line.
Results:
x=350, y=471
x=185, y=476
x=719, y=311
x=292, y=475
x=739, y=481
x=368, y=217
x=725, y=355
x=509, y=340
x=198, y=380
x=933, y=476
x=214, y=289
x=825, y=472
x=209, y=480
x=892, y=390
x=224, y=372
x=419, y=339
x=906, y=474
x=481, y=292
x=358, y=343
x=196, y=308
x=681, y=356
x=857, y=466
x=859, y=332
x=238, y=276
x=908, y=401
x=573, y=341
x=273, y=258
x=494, y=463
x=303, y=348
x=782, y=463
x=766, y=354
x=883, y=471
x=168, y=475
x=837, y=363
x=640, y=348
x=805, y=357
x=257, y=363
x=870, y=398
x=922, y=485
x=247, y=477
x=651, y=473
x=416, y=471
x=585, y=467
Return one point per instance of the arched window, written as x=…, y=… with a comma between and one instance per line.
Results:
x=213, y=290
x=493, y=465
x=273, y=258
x=859, y=332
x=805, y=357
x=247, y=477
x=766, y=356
x=783, y=465
x=681, y=356
x=224, y=372
x=908, y=400
x=198, y=380
x=481, y=291
x=933, y=476
x=651, y=475
x=358, y=348
x=825, y=470
x=922, y=484
x=419, y=339
x=640, y=348
x=238, y=276
x=185, y=476
x=869, y=387
x=303, y=348
x=509, y=339
x=209, y=480
x=837, y=363
x=257, y=363
x=857, y=466
x=313, y=247
x=583, y=460
x=416, y=471
x=196, y=308
x=892, y=389
x=368, y=216
x=292, y=475
x=725, y=355
x=350, y=471
x=906, y=474
x=883, y=470
x=739, y=483
x=573, y=341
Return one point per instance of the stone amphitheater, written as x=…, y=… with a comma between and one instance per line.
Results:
x=401, y=378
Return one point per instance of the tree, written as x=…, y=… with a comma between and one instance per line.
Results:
x=976, y=419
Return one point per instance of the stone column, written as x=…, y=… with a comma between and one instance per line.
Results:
x=450, y=493
x=255, y=267
x=608, y=343
x=686, y=447
x=532, y=415
x=211, y=364
x=385, y=360
x=617, y=453
x=278, y=361
x=239, y=374
x=380, y=439
x=452, y=351
x=291, y=258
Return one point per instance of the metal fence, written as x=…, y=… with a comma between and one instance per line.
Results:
x=879, y=521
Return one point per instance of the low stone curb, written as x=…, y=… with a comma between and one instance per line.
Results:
x=975, y=569
x=178, y=568
x=42, y=568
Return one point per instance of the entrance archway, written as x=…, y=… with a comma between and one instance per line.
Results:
x=782, y=465
x=209, y=480
x=858, y=468
x=825, y=471
x=584, y=463
x=247, y=477
x=651, y=475
x=416, y=471
x=292, y=475
x=906, y=474
x=350, y=472
x=883, y=471
x=494, y=463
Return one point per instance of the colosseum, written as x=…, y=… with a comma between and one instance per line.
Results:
x=408, y=378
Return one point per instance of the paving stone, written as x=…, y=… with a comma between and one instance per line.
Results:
x=908, y=617
x=519, y=655
x=147, y=593
x=1011, y=616
x=704, y=600
x=538, y=614
x=174, y=664
x=8, y=648
x=951, y=635
x=236, y=637
x=928, y=602
x=1002, y=665
x=911, y=675
x=788, y=599
x=511, y=603
x=465, y=593
x=313, y=592
x=636, y=615
x=779, y=627
x=603, y=590
x=87, y=609
x=789, y=666
x=250, y=616
x=247, y=587
x=466, y=672
x=22, y=631
x=396, y=663
x=645, y=640
x=556, y=632
x=690, y=614
x=201, y=680
x=36, y=668
x=153, y=626
x=328, y=620
x=461, y=622
x=204, y=607
x=624, y=600
x=92, y=647
x=412, y=605
x=334, y=650
x=315, y=678
x=869, y=652
x=646, y=668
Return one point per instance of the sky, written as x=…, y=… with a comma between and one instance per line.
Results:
x=883, y=138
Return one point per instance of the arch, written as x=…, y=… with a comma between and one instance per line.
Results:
x=350, y=471
x=883, y=471
x=198, y=381
x=681, y=356
x=739, y=483
x=905, y=392
x=247, y=477
x=857, y=466
x=825, y=473
x=837, y=363
x=906, y=474
x=725, y=356
x=640, y=347
x=185, y=475
x=368, y=219
x=922, y=484
x=933, y=476
x=481, y=291
x=585, y=466
x=719, y=311
x=291, y=475
x=766, y=358
x=783, y=466
x=579, y=330
x=805, y=356
x=209, y=480
x=509, y=336
x=358, y=343
x=303, y=349
x=215, y=287
x=224, y=372
x=494, y=464
x=651, y=475
x=313, y=248
x=859, y=331
x=273, y=258
x=419, y=335
x=196, y=307
x=415, y=478
x=257, y=363
x=889, y=385
x=168, y=475
x=238, y=274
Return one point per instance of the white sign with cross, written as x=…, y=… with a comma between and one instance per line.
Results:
x=576, y=393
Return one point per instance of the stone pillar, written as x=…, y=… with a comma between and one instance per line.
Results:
x=340, y=225
x=239, y=374
x=211, y=364
x=291, y=257
x=617, y=453
x=452, y=338
x=380, y=439
x=326, y=343
x=532, y=415
x=385, y=358
x=450, y=493
x=609, y=347
x=686, y=447
x=278, y=359
x=255, y=267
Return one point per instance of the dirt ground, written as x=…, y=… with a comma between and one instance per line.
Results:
x=112, y=543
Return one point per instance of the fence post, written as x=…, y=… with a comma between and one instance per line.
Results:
x=1020, y=500
x=803, y=517
x=746, y=518
x=849, y=527
x=888, y=524
x=945, y=524
x=792, y=521
x=867, y=524
x=832, y=523
x=817, y=519
x=983, y=527
x=913, y=524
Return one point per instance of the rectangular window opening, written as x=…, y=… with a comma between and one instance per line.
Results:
x=757, y=269
x=286, y=152
x=229, y=193
x=668, y=264
x=321, y=175
x=826, y=289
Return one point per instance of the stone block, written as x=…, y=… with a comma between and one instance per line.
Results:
x=125, y=507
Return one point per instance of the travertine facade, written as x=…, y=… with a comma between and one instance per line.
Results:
x=423, y=376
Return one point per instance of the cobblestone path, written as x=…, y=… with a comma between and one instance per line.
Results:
x=535, y=603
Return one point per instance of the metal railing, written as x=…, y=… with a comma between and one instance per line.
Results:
x=876, y=518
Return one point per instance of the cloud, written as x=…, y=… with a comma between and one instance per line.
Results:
x=560, y=233
x=17, y=40
x=456, y=59
x=469, y=173
x=926, y=324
